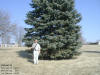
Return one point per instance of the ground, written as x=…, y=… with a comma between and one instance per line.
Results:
x=88, y=63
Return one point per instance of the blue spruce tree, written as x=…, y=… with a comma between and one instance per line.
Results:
x=55, y=24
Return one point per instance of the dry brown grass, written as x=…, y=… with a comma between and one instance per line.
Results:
x=88, y=63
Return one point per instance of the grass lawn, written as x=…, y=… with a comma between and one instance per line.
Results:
x=88, y=63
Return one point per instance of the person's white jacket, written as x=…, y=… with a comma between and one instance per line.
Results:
x=36, y=46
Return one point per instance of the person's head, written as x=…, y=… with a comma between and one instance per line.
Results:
x=35, y=41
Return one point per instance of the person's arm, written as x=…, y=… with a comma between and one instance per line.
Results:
x=32, y=46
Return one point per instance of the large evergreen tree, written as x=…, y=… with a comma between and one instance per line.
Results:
x=55, y=24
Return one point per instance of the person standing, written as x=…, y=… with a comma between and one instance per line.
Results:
x=36, y=51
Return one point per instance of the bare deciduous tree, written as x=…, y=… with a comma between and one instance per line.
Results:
x=18, y=33
x=5, y=27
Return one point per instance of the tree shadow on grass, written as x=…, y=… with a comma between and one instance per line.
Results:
x=26, y=55
x=91, y=51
